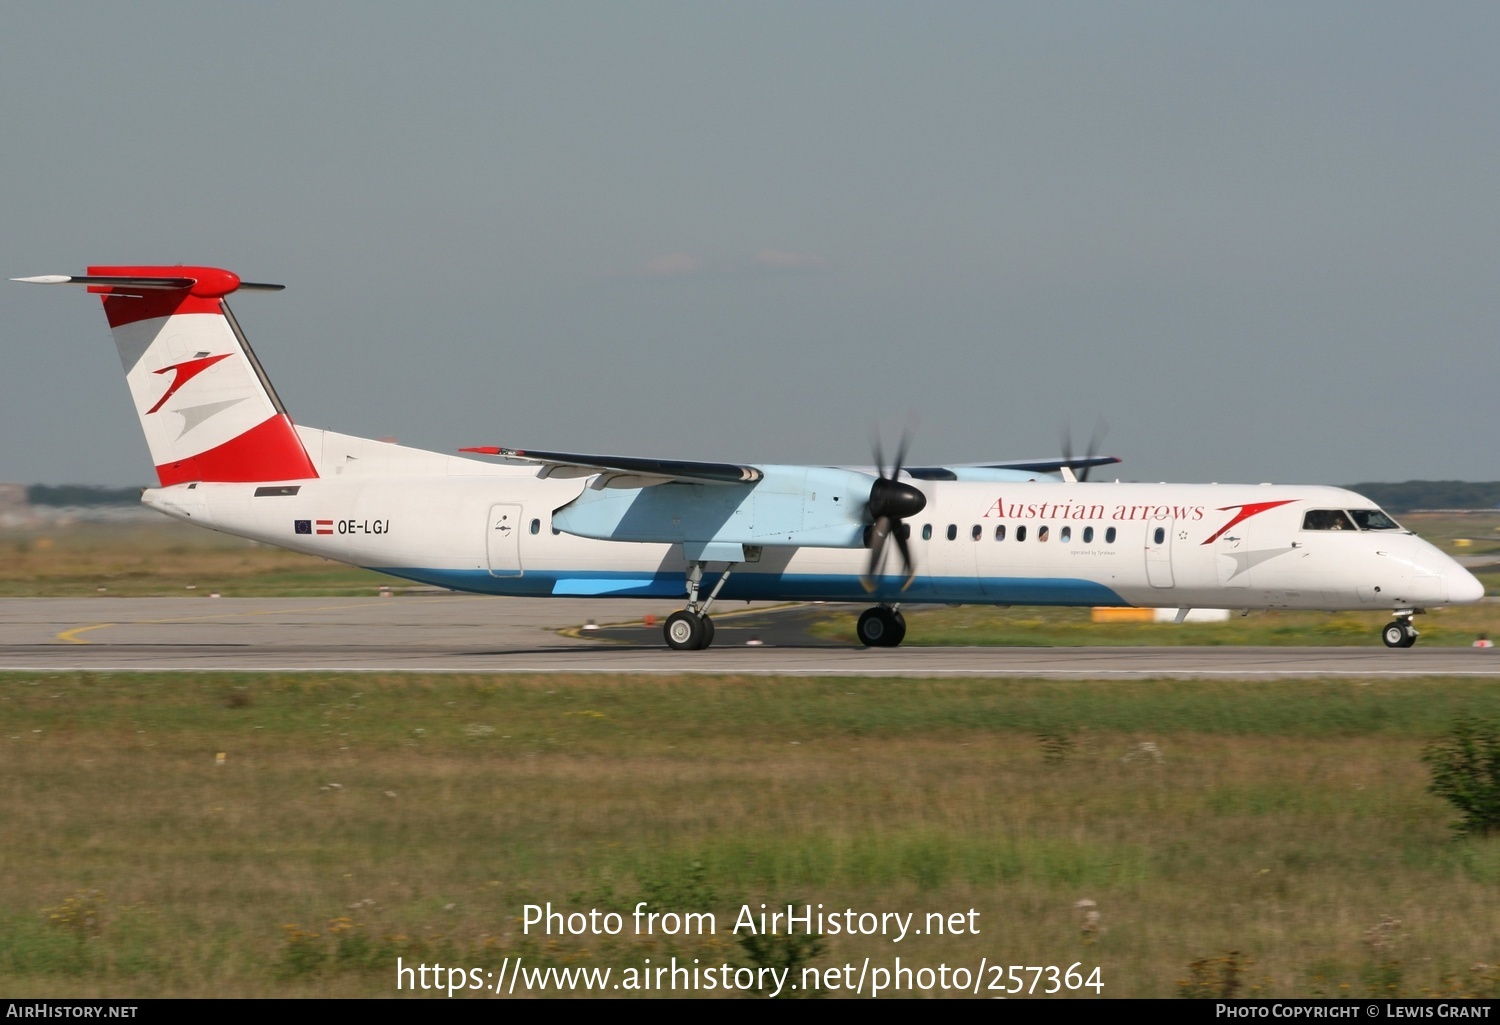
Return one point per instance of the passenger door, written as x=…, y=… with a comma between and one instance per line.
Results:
x=503, y=544
x=1159, y=552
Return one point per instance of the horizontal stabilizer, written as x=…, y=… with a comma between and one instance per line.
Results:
x=109, y=281
x=667, y=469
x=219, y=283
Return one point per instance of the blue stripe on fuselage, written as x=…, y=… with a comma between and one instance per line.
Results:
x=770, y=587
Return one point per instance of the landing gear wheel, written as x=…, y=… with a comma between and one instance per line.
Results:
x=1398, y=633
x=899, y=633
x=881, y=627
x=685, y=631
x=708, y=632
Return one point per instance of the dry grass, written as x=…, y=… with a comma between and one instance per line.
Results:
x=1281, y=821
x=164, y=558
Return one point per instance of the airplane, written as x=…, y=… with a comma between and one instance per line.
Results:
x=509, y=521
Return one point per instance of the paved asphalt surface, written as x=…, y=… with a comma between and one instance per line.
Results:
x=444, y=632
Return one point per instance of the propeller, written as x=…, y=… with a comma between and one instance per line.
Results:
x=891, y=501
x=1101, y=428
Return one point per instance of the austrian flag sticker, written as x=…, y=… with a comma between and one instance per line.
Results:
x=306, y=526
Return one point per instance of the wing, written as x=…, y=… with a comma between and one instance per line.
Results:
x=975, y=471
x=661, y=471
x=575, y=464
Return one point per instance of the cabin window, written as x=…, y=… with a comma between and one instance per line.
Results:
x=926, y=532
x=977, y=532
x=1373, y=519
x=1109, y=536
x=1066, y=535
x=1041, y=533
x=1088, y=535
x=536, y=526
x=1158, y=535
x=1021, y=532
x=952, y=531
x=1000, y=532
x=1326, y=519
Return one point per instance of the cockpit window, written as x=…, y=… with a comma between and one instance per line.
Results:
x=1326, y=519
x=1373, y=519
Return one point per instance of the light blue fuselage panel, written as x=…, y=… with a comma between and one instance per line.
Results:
x=792, y=505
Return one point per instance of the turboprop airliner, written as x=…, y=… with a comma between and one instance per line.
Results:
x=509, y=521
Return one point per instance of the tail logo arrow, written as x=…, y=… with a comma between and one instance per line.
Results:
x=185, y=372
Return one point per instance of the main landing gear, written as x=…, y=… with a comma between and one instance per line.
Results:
x=881, y=627
x=1399, y=633
x=691, y=629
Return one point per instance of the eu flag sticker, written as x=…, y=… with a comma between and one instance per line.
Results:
x=303, y=526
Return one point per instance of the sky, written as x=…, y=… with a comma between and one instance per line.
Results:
x=1260, y=241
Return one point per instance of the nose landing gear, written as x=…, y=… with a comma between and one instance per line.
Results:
x=1399, y=633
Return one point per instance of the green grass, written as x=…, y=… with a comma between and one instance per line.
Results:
x=357, y=818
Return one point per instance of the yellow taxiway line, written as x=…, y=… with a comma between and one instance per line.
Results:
x=71, y=636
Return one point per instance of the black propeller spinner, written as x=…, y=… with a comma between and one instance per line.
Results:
x=891, y=502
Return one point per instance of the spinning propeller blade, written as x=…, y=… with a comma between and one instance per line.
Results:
x=891, y=501
x=1101, y=428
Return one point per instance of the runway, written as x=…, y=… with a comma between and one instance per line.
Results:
x=467, y=634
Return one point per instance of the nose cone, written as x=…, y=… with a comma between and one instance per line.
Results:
x=1463, y=587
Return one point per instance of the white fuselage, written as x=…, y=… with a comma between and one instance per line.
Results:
x=486, y=527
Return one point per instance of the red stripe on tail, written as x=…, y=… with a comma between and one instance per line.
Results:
x=270, y=451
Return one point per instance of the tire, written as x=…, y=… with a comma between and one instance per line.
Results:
x=708, y=633
x=1397, y=634
x=683, y=631
x=898, y=630
x=880, y=627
